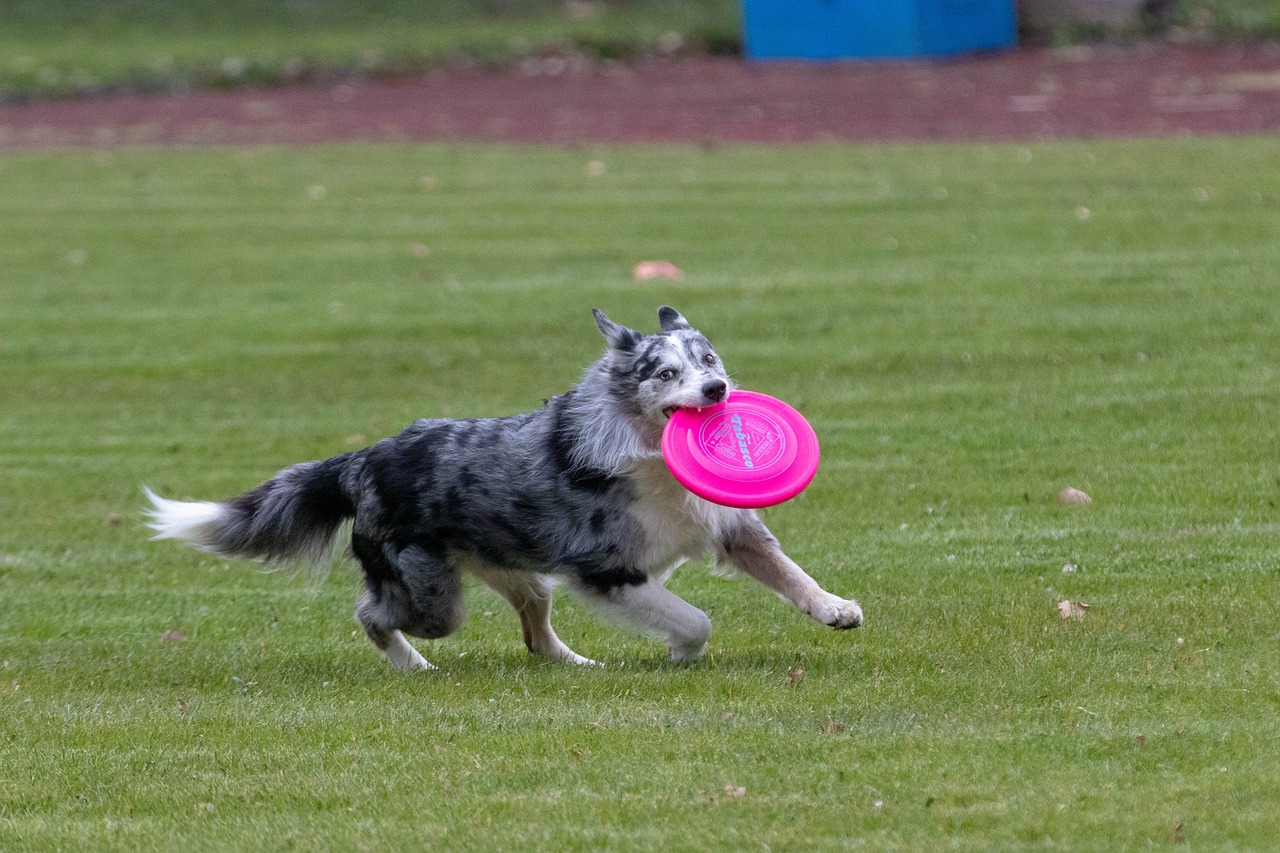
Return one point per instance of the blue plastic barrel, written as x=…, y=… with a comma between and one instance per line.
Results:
x=867, y=29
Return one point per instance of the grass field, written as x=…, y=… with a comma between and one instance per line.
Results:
x=970, y=329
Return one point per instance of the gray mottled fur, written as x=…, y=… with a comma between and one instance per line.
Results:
x=576, y=490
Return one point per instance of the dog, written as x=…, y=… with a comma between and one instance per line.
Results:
x=575, y=491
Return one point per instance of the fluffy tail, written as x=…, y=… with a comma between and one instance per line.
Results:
x=293, y=515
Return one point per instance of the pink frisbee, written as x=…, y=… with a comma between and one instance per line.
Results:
x=750, y=451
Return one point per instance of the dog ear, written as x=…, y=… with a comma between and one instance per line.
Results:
x=619, y=337
x=670, y=319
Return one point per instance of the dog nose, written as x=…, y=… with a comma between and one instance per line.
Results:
x=715, y=391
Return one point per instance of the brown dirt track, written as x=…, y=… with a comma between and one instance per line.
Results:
x=1150, y=89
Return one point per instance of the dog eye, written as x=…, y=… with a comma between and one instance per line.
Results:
x=709, y=358
x=667, y=375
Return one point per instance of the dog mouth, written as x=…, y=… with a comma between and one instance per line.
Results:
x=671, y=410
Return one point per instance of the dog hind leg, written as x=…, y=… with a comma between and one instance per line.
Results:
x=530, y=594
x=389, y=641
x=651, y=608
x=415, y=591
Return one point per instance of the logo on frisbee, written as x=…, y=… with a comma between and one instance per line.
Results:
x=742, y=439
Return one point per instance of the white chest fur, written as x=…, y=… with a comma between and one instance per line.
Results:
x=678, y=524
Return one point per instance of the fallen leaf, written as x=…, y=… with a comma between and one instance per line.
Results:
x=1072, y=609
x=172, y=636
x=1140, y=740
x=831, y=727
x=795, y=674
x=738, y=791
x=1071, y=495
x=182, y=707
x=648, y=270
x=1177, y=834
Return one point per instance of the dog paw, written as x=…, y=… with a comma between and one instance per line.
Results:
x=553, y=649
x=686, y=652
x=577, y=659
x=838, y=613
x=409, y=661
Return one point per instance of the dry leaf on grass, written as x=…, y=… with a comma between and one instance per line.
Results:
x=172, y=636
x=795, y=674
x=1072, y=609
x=647, y=270
x=735, y=790
x=1071, y=495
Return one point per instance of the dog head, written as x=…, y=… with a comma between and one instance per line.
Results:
x=653, y=375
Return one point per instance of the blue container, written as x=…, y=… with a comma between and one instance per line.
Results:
x=867, y=29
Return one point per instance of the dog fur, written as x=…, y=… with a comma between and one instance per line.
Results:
x=575, y=491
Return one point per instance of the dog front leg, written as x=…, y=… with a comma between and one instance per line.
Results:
x=755, y=551
x=651, y=608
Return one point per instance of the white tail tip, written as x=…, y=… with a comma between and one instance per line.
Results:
x=196, y=522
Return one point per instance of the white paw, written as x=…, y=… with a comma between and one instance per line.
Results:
x=555, y=649
x=408, y=659
x=838, y=613
x=686, y=652
x=579, y=660
x=568, y=655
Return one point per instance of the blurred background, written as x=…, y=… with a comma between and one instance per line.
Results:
x=82, y=47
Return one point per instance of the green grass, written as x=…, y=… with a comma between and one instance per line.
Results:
x=970, y=329
x=1238, y=19
x=82, y=46
x=1180, y=21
